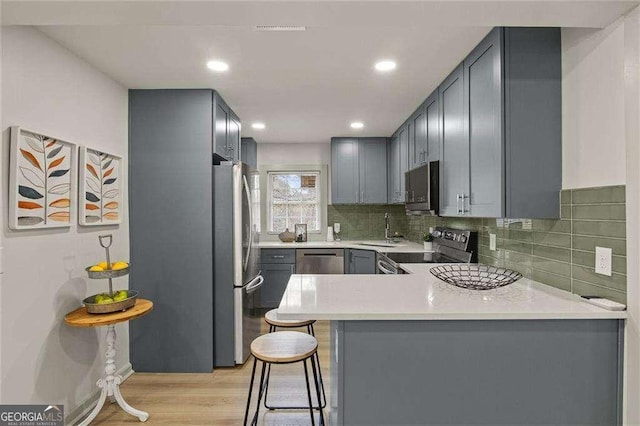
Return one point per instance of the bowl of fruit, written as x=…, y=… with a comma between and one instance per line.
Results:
x=104, y=270
x=104, y=303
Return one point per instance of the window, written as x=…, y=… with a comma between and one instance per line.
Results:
x=293, y=197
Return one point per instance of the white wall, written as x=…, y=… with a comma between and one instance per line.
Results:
x=46, y=88
x=294, y=153
x=593, y=106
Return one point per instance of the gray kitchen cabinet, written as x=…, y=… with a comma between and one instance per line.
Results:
x=424, y=135
x=373, y=170
x=276, y=276
x=276, y=265
x=233, y=138
x=249, y=152
x=454, y=155
x=408, y=372
x=345, y=178
x=418, y=138
x=359, y=170
x=359, y=261
x=500, y=117
x=393, y=178
x=432, y=122
x=398, y=164
x=169, y=129
x=226, y=131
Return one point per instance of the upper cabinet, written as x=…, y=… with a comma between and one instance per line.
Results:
x=359, y=170
x=398, y=163
x=249, y=152
x=501, y=127
x=495, y=125
x=226, y=131
x=454, y=153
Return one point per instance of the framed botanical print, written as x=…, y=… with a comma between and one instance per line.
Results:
x=100, y=188
x=41, y=180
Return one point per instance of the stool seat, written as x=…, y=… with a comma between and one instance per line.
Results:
x=271, y=318
x=283, y=347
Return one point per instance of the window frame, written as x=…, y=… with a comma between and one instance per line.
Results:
x=319, y=197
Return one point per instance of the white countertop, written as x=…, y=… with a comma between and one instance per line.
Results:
x=421, y=296
x=404, y=246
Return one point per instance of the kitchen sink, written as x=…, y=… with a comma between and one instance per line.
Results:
x=364, y=243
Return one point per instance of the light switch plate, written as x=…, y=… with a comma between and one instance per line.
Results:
x=603, y=261
x=492, y=242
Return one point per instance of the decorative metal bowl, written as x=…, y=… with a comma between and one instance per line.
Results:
x=109, y=273
x=106, y=308
x=476, y=277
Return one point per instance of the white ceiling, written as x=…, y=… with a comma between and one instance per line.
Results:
x=306, y=86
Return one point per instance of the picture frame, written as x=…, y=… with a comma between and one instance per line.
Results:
x=42, y=180
x=301, y=232
x=100, y=188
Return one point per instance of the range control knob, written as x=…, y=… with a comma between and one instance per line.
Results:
x=437, y=234
x=463, y=238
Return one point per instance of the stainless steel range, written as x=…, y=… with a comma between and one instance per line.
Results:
x=450, y=246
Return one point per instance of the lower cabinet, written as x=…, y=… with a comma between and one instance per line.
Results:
x=276, y=276
x=359, y=261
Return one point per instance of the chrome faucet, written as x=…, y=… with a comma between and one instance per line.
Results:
x=387, y=227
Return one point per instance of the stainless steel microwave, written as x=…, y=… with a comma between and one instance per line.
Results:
x=423, y=189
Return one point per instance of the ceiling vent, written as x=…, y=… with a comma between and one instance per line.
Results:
x=270, y=28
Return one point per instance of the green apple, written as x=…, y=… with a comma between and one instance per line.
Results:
x=105, y=300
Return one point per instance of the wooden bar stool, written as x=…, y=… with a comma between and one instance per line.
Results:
x=283, y=347
x=271, y=318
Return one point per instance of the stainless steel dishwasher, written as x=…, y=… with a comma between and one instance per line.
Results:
x=320, y=261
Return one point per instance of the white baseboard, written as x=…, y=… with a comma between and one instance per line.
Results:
x=85, y=407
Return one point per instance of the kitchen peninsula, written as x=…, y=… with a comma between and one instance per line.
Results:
x=410, y=349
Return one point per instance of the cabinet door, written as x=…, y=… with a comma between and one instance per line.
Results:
x=361, y=261
x=345, y=176
x=432, y=125
x=418, y=138
x=404, y=161
x=373, y=170
x=233, y=137
x=249, y=152
x=276, y=276
x=454, y=156
x=393, y=184
x=483, y=112
x=220, y=127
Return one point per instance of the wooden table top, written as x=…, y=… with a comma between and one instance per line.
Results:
x=81, y=318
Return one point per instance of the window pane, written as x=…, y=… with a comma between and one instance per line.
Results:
x=279, y=224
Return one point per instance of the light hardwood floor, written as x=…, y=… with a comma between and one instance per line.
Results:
x=218, y=398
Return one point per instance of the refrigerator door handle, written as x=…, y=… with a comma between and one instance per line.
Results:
x=247, y=192
x=254, y=284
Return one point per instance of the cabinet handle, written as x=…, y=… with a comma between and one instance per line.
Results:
x=464, y=197
x=362, y=197
x=357, y=197
x=277, y=257
x=458, y=204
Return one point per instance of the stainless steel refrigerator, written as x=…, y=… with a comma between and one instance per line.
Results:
x=237, y=278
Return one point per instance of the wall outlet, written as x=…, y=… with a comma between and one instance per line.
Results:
x=526, y=224
x=603, y=261
x=492, y=242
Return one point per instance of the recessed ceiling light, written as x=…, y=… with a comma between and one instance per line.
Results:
x=258, y=126
x=217, y=66
x=385, y=66
x=357, y=125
